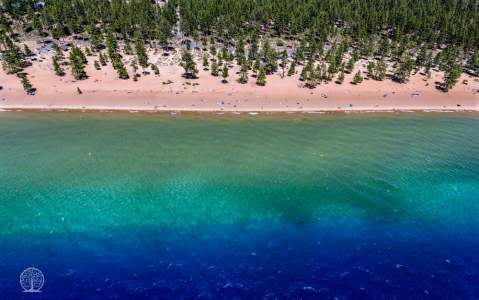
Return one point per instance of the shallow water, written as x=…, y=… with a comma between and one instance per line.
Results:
x=123, y=206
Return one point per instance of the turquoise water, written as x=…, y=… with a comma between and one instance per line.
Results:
x=121, y=206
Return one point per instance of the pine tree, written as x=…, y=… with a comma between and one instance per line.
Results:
x=292, y=69
x=270, y=58
x=320, y=73
x=257, y=65
x=96, y=37
x=253, y=51
x=304, y=74
x=261, y=79
x=380, y=70
x=140, y=50
x=299, y=55
x=102, y=59
x=451, y=76
x=307, y=71
x=81, y=55
x=421, y=57
x=350, y=66
x=134, y=66
x=163, y=31
x=384, y=48
x=284, y=62
x=473, y=63
x=213, y=49
x=122, y=72
x=112, y=46
x=56, y=66
x=357, y=79
x=243, y=74
x=205, y=62
x=127, y=48
x=116, y=61
x=27, y=85
x=240, y=50
x=214, y=68
x=224, y=73
x=403, y=72
x=314, y=76
x=220, y=60
x=340, y=78
x=58, y=52
x=225, y=53
x=427, y=69
x=370, y=68
x=188, y=64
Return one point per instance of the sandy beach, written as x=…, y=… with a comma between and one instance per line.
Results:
x=171, y=92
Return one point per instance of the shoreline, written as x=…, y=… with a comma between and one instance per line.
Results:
x=246, y=111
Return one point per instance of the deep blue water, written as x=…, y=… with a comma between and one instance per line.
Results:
x=265, y=261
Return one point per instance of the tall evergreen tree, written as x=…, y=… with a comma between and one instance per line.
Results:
x=261, y=79
x=214, y=68
x=451, y=76
x=243, y=74
x=188, y=64
x=284, y=62
x=224, y=73
x=27, y=85
x=205, y=62
x=340, y=78
x=292, y=69
x=57, y=67
x=141, y=50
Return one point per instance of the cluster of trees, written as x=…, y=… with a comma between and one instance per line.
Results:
x=77, y=62
x=430, y=21
x=15, y=60
x=324, y=39
x=115, y=56
x=125, y=17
